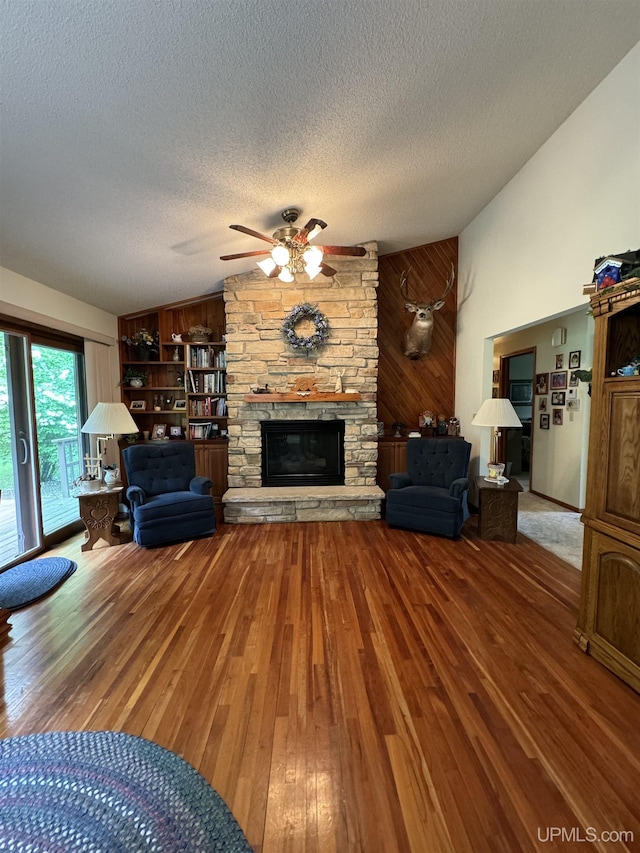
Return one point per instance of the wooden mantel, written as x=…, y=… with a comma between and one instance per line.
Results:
x=314, y=397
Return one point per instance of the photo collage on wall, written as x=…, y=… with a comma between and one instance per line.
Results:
x=562, y=384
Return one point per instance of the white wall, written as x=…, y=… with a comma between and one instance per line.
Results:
x=559, y=454
x=33, y=302
x=526, y=256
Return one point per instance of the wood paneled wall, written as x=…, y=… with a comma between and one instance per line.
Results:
x=405, y=387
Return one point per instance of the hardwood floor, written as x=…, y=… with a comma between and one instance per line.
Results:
x=345, y=687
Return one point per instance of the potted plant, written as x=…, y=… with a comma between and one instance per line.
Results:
x=86, y=483
x=135, y=377
x=145, y=344
x=199, y=333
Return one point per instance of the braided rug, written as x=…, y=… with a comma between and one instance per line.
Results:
x=109, y=792
x=28, y=582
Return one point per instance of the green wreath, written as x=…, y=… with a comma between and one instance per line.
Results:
x=305, y=311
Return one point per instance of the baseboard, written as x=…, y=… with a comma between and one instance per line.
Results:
x=554, y=501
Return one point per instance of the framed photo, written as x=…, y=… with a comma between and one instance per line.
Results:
x=138, y=405
x=573, y=380
x=542, y=404
x=559, y=380
x=494, y=392
x=557, y=417
x=544, y=421
x=542, y=383
x=574, y=359
x=558, y=398
x=175, y=432
x=180, y=406
x=159, y=431
x=559, y=361
x=496, y=377
x=573, y=405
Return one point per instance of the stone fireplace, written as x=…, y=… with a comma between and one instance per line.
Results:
x=258, y=356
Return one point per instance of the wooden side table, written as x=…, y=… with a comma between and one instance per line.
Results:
x=498, y=509
x=98, y=510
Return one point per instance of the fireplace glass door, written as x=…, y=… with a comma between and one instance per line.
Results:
x=302, y=453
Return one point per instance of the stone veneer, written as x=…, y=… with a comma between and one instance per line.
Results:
x=257, y=354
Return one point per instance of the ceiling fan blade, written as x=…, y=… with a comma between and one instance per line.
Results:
x=325, y=269
x=355, y=251
x=252, y=233
x=310, y=230
x=244, y=255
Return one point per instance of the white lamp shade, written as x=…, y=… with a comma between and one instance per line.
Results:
x=267, y=266
x=110, y=419
x=497, y=412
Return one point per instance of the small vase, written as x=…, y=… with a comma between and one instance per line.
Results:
x=136, y=382
x=142, y=353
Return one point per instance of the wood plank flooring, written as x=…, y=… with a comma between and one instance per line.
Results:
x=344, y=686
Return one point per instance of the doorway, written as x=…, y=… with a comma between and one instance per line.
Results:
x=517, y=371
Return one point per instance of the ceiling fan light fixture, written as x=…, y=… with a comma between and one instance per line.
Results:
x=267, y=266
x=312, y=271
x=280, y=255
x=312, y=256
x=286, y=275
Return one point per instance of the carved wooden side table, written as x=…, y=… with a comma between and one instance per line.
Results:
x=98, y=510
x=498, y=510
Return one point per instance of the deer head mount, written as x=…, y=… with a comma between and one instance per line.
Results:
x=417, y=338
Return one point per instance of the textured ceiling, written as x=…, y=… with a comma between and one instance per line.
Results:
x=134, y=132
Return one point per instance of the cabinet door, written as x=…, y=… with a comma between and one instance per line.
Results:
x=211, y=461
x=392, y=457
x=620, y=498
x=613, y=606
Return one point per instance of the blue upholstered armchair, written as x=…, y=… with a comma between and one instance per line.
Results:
x=168, y=502
x=432, y=495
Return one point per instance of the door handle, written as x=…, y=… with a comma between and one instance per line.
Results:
x=25, y=447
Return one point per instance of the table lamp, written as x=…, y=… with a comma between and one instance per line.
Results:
x=496, y=412
x=108, y=420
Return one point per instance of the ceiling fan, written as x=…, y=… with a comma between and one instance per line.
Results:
x=291, y=252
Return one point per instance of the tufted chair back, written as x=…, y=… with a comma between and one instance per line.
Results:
x=437, y=461
x=161, y=468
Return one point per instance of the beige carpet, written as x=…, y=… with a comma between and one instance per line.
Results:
x=557, y=529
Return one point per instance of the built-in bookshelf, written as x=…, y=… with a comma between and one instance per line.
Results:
x=206, y=389
x=183, y=394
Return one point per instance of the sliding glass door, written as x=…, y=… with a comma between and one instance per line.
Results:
x=19, y=509
x=41, y=411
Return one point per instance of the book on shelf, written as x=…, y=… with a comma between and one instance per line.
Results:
x=207, y=356
x=207, y=383
x=199, y=432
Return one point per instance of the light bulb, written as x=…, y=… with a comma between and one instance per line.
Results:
x=280, y=255
x=313, y=256
x=285, y=275
x=267, y=266
x=312, y=272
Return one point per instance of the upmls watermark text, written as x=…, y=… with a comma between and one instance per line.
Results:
x=587, y=834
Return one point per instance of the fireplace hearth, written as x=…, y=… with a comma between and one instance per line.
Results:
x=302, y=453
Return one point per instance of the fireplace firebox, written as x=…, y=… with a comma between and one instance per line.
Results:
x=302, y=453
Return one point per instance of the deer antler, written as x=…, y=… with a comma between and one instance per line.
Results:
x=404, y=283
x=447, y=289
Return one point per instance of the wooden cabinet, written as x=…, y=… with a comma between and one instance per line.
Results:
x=211, y=461
x=392, y=457
x=609, y=620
